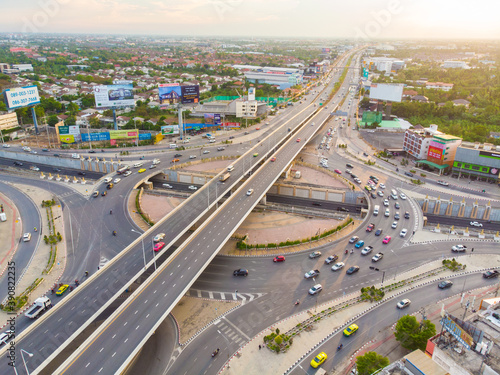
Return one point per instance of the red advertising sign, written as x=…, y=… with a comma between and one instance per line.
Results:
x=436, y=153
x=232, y=124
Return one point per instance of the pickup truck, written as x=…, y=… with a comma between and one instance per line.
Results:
x=491, y=274
x=41, y=304
x=367, y=250
x=311, y=273
x=377, y=257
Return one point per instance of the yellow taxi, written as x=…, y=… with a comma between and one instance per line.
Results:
x=318, y=360
x=62, y=289
x=350, y=330
x=142, y=170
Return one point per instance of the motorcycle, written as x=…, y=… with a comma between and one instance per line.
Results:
x=216, y=352
x=114, y=233
x=346, y=251
x=297, y=302
x=340, y=347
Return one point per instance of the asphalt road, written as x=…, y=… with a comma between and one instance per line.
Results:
x=96, y=357
x=384, y=317
x=30, y=219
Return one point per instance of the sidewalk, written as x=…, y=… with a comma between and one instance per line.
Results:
x=267, y=362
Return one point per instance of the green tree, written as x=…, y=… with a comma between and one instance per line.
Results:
x=413, y=335
x=72, y=108
x=52, y=120
x=370, y=362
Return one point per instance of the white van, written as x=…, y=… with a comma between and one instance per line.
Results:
x=394, y=194
x=185, y=141
x=376, y=210
x=230, y=168
x=387, y=213
x=173, y=145
x=75, y=156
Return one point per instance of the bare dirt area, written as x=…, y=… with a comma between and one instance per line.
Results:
x=210, y=167
x=192, y=314
x=268, y=227
x=158, y=206
x=312, y=176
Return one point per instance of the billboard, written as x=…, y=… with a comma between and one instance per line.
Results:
x=21, y=97
x=67, y=138
x=174, y=93
x=325, y=50
x=114, y=95
x=488, y=154
x=170, y=130
x=213, y=118
x=121, y=134
x=251, y=93
x=436, y=150
x=232, y=124
x=388, y=92
x=449, y=323
x=103, y=136
x=365, y=73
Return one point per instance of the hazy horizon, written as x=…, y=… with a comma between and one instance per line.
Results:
x=365, y=19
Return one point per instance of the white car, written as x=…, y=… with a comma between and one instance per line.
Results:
x=386, y=202
x=126, y=174
x=459, y=248
x=402, y=196
x=403, y=232
x=117, y=180
x=107, y=180
x=382, y=186
x=206, y=152
x=338, y=266
x=250, y=192
x=192, y=187
x=152, y=166
x=394, y=225
x=156, y=161
x=441, y=182
x=380, y=193
x=34, y=168
x=387, y=213
x=192, y=156
x=159, y=237
x=357, y=180
x=137, y=165
x=75, y=156
x=6, y=145
x=315, y=289
x=34, y=152
x=403, y=303
x=167, y=186
x=26, y=237
x=476, y=224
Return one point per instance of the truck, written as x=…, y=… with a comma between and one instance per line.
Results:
x=41, y=304
x=224, y=177
x=377, y=257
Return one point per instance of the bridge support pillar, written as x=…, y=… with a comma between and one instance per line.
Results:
x=437, y=206
x=487, y=211
x=461, y=210
x=264, y=200
x=475, y=208
x=425, y=206
x=449, y=209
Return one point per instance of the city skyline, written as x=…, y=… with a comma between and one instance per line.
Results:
x=362, y=20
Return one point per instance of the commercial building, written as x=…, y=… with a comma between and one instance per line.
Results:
x=8, y=121
x=283, y=77
x=383, y=64
x=431, y=147
x=455, y=65
x=238, y=107
x=481, y=162
x=23, y=67
x=439, y=86
x=250, y=108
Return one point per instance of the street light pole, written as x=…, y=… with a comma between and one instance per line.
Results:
x=143, y=252
x=24, y=361
x=154, y=253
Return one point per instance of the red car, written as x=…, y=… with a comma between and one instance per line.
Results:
x=273, y=159
x=279, y=258
x=370, y=227
x=257, y=128
x=337, y=171
x=387, y=239
x=298, y=140
x=159, y=246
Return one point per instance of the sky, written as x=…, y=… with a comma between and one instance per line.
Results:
x=359, y=19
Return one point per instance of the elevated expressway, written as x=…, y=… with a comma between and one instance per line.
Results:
x=99, y=354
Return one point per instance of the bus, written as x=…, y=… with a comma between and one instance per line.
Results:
x=123, y=169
